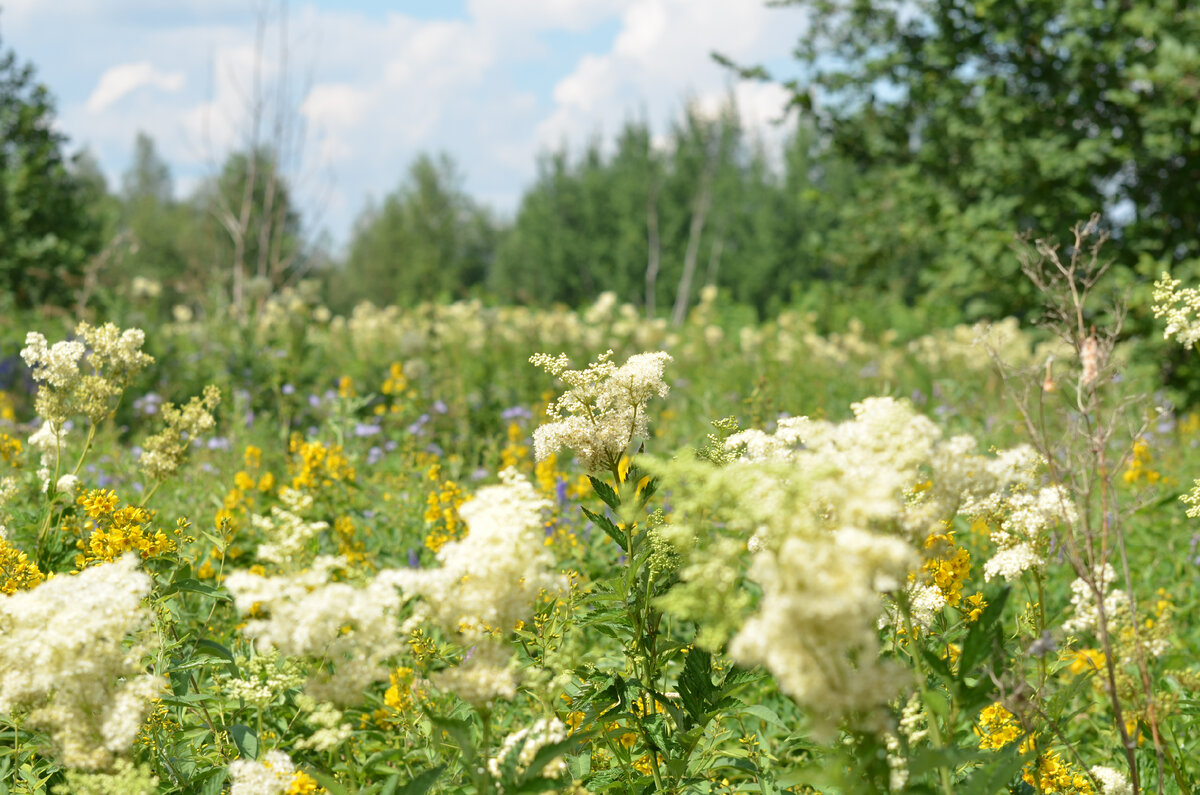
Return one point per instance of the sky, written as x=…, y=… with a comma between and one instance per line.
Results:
x=364, y=86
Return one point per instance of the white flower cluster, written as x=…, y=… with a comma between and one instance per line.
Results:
x=64, y=658
x=272, y=776
x=307, y=615
x=603, y=409
x=331, y=730
x=56, y=365
x=84, y=375
x=1020, y=520
x=526, y=743
x=263, y=679
x=289, y=534
x=834, y=514
x=1112, y=782
x=1181, y=308
x=1083, y=602
x=48, y=439
x=487, y=582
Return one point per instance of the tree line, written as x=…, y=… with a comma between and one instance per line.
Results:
x=926, y=136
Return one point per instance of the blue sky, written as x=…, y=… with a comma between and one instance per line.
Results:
x=370, y=84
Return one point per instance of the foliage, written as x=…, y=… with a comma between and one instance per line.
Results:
x=46, y=232
x=970, y=121
x=429, y=240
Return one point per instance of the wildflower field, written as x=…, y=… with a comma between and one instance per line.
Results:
x=470, y=549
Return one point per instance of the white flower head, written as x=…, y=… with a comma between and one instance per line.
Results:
x=603, y=409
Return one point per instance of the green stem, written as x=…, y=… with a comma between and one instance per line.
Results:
x=935, y=731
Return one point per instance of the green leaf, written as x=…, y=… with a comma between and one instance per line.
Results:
x=214, y=649
x=330, y=783
x=983, y=635
x=606, y=493
x=995, y=776
x=605, y=524
x=423, y=782
x=696, y=689
x=245, y=739
x=196, y=586
x=765, y=714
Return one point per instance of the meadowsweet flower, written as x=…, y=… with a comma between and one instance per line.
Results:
x=275, y=774
x=1180, y=307
x=163, y=453
x=85, y=375
x=305, y=614
x=1112, y=782
x=263, y=678
x=488, y=580
x=526, y=743
x=331, y=730
x=603, y=409
x=64, y=660
x=289, y=537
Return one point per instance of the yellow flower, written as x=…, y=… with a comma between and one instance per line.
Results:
x=1086, y=660
x=997, y=727
x=252, y=457
x=17, y=572
x=98, y=502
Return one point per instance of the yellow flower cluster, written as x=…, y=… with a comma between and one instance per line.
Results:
x=1052, y=775
x=116, y=531
x=397, y=382
x=546, y=474
x=246, y=483
x=515, y=454
x=997, y=727
x=318, y=465
x=1141, y=466
x=17, y=572
x=949, y=571
x=302, y=784
x=441, y=512
x=349, y=545
x=10, y=449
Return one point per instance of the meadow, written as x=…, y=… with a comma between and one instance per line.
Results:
x=467, y=548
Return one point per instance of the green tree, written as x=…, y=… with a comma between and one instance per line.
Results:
x=156, y=222
x=429, y=240
x=972, y=120
x=253, y=230
x=47, y=234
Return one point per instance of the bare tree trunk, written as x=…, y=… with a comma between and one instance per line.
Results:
x=699, y=216
x=655, y=246
x=714, y=257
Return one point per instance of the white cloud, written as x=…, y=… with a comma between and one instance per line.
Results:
x=121, y=80
x=370, y=92
x=661, y=57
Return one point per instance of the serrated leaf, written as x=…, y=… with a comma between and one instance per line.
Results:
x=605, y=524
x=695, y=684
x=605, y=492
x=245, y=739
